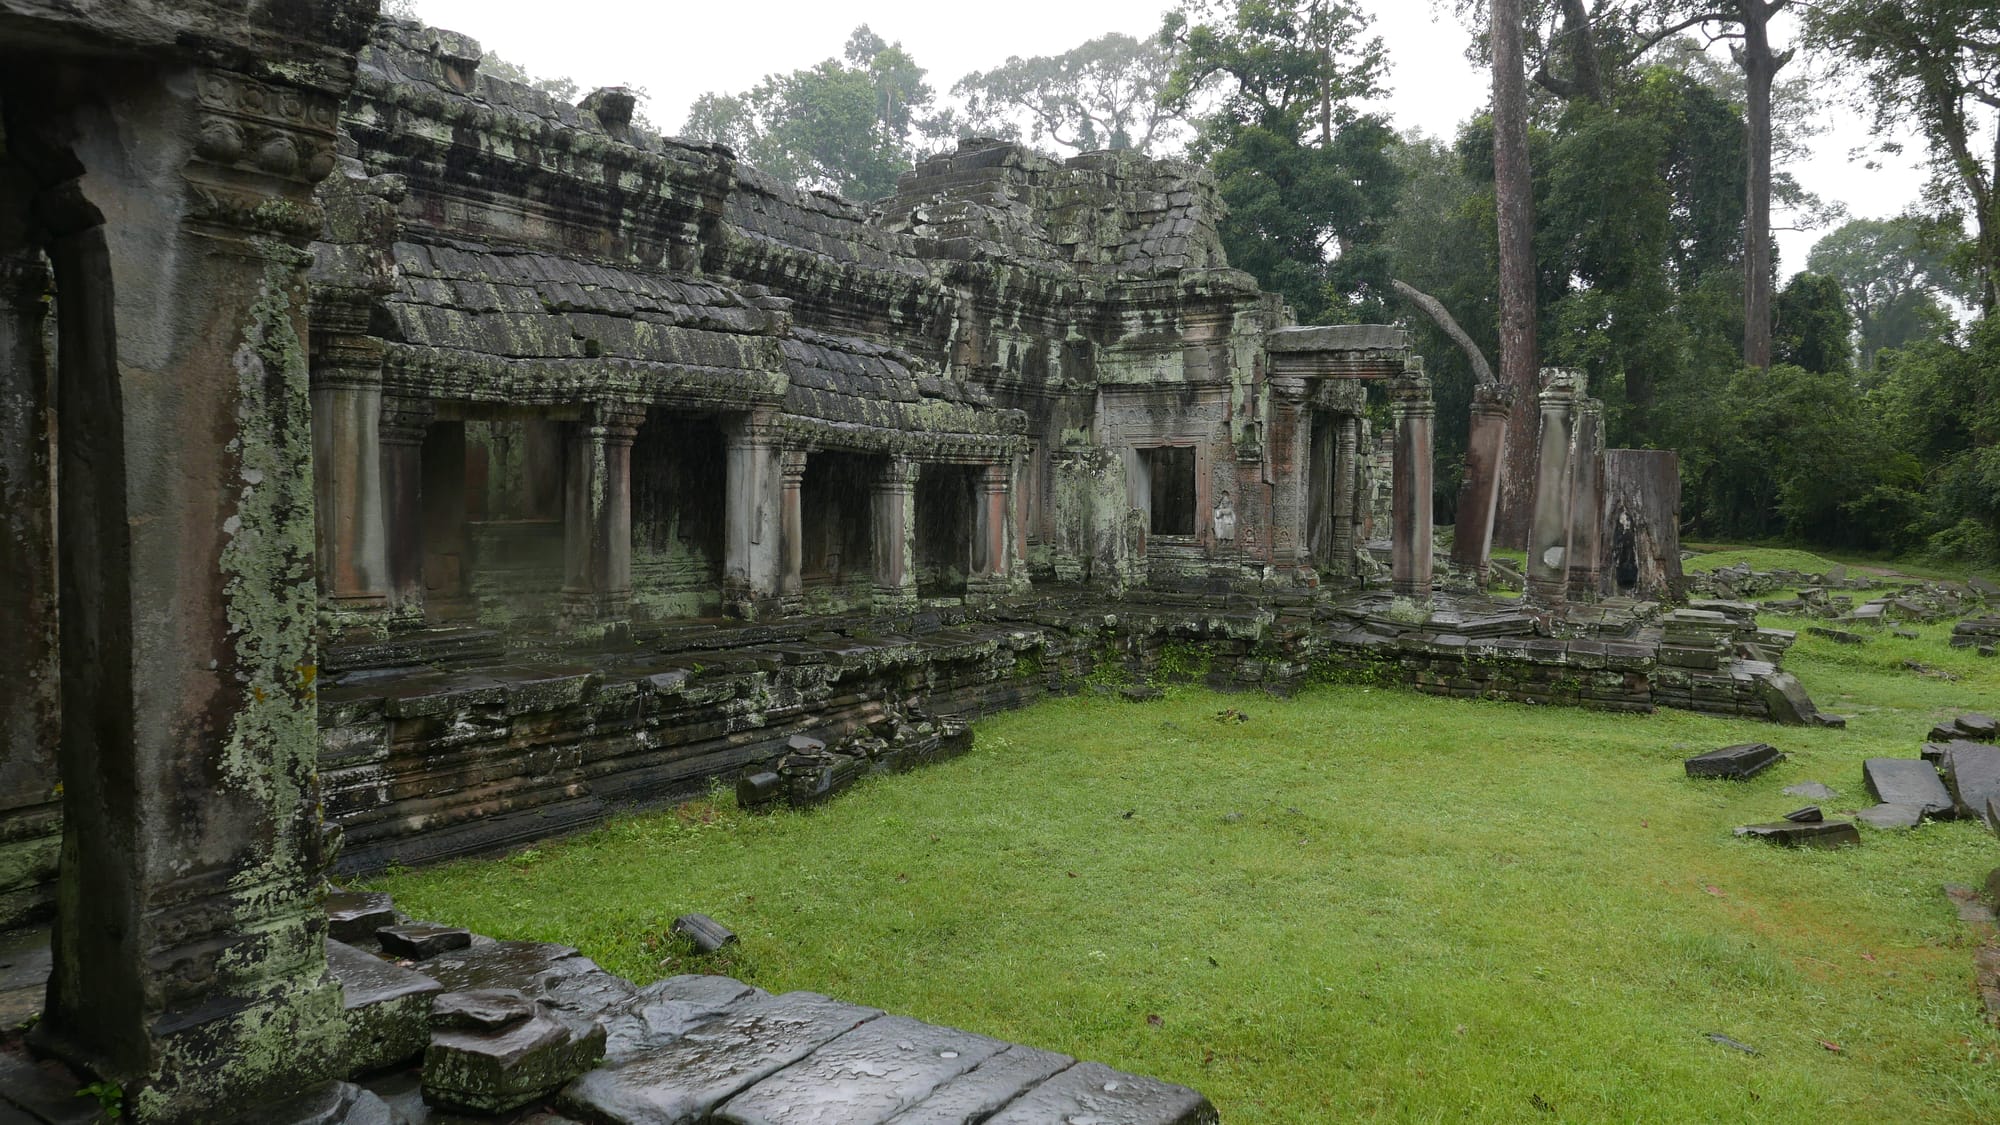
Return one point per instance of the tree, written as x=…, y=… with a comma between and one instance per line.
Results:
x=1893, y=275
x=1933, y=62
x=1102, y=94
x=564, y=90
x=841, y=126
x=1514, y=196
x=1811, y=328
x=1307, y=176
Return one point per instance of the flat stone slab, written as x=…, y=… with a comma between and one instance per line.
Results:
x=976, y=1095
x=1736, y=763
x=421, y=941
x=666, y=1010
x=684, y=1081
x=867, y=1075
x=336, y=1103
x=1824, y=834
x=496, y=964
x=25, y=965
x=1095, y=1093
x=1811, y=790
x=1972, y=774
x=1891, y=817
x=487, y=1009
x=1906, y=781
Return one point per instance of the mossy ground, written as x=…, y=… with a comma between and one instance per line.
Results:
x=1357, y=904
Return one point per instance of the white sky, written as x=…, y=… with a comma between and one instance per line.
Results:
x=679, y=50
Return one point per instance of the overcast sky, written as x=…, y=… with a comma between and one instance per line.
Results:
x=677, y=51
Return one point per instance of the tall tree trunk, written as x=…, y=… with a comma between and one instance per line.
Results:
x=1514, y=197
x=1760, y=71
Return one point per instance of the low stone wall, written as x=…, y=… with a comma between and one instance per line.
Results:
x=501, y=750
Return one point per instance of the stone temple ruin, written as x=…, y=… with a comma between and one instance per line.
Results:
x=440, y=467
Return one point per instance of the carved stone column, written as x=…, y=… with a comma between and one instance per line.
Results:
x=189, y=954
x=400, y=432
x=1548, y=543
x=1290, y=453
x=754, y=488
x=1346, y=493
x=1479, y=498
x=597, y=518
x=994, y=546
x=1586, y=503
x=895, y=521
x=791, y=585
x=1410, y=534
x=347, y=480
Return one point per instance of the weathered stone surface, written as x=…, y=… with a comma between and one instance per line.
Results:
x=24, y=975
x=1825, y=834
x=1094, y=1092
x=1811, y=814
x=688, y=1078
x=495, y=1071
x=1737, y=763
x=386, y=1007
x=1906, y=781
x=355, y=916
x=666, y=1010
x=43, y=1092
x=486, y=1009
x=1886, y=816
x=336, y=1103
x=420, y=941
x=1811, y=790
x=869, y=1074
x=975, y=1096
x=496, y=964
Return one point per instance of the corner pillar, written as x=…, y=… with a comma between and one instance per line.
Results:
x=994, y=531
x=894, y=497
x=1291, y=457
x=597, y=518
x=1548, y=542
x=1479, y=498
x=1410, y=534
x=1345, y=493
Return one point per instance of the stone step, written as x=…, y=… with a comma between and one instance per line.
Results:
x=387, y=1007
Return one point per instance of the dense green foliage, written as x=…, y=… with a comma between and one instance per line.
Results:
x=1307, y=175
x=1356, y=904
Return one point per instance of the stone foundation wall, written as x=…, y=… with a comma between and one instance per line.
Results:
x=505, y=751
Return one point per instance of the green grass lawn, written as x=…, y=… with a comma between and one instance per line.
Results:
x=1358, y=904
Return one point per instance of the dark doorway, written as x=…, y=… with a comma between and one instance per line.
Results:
x=1170, y=482
x=945, y=495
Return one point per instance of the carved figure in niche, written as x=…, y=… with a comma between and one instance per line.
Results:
x=1224, y=519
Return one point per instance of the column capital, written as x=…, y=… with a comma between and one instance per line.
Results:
x=898, y=474
x=404, y=419
x=259, y=148
x=1493, y=398
x=792, y=462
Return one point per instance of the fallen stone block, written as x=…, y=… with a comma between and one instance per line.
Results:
x=334, y=1103
x=491, y=1053
x=1837, y=636
x=354, y=916
x=1825, y=834
x=1972, y=727
x=1906, y=781
x=1811, y=814
x=705, y=933
x=759, y=790
x=1891, y=817
x=421, y=941
x=1736, y=763
x=1972, y=774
